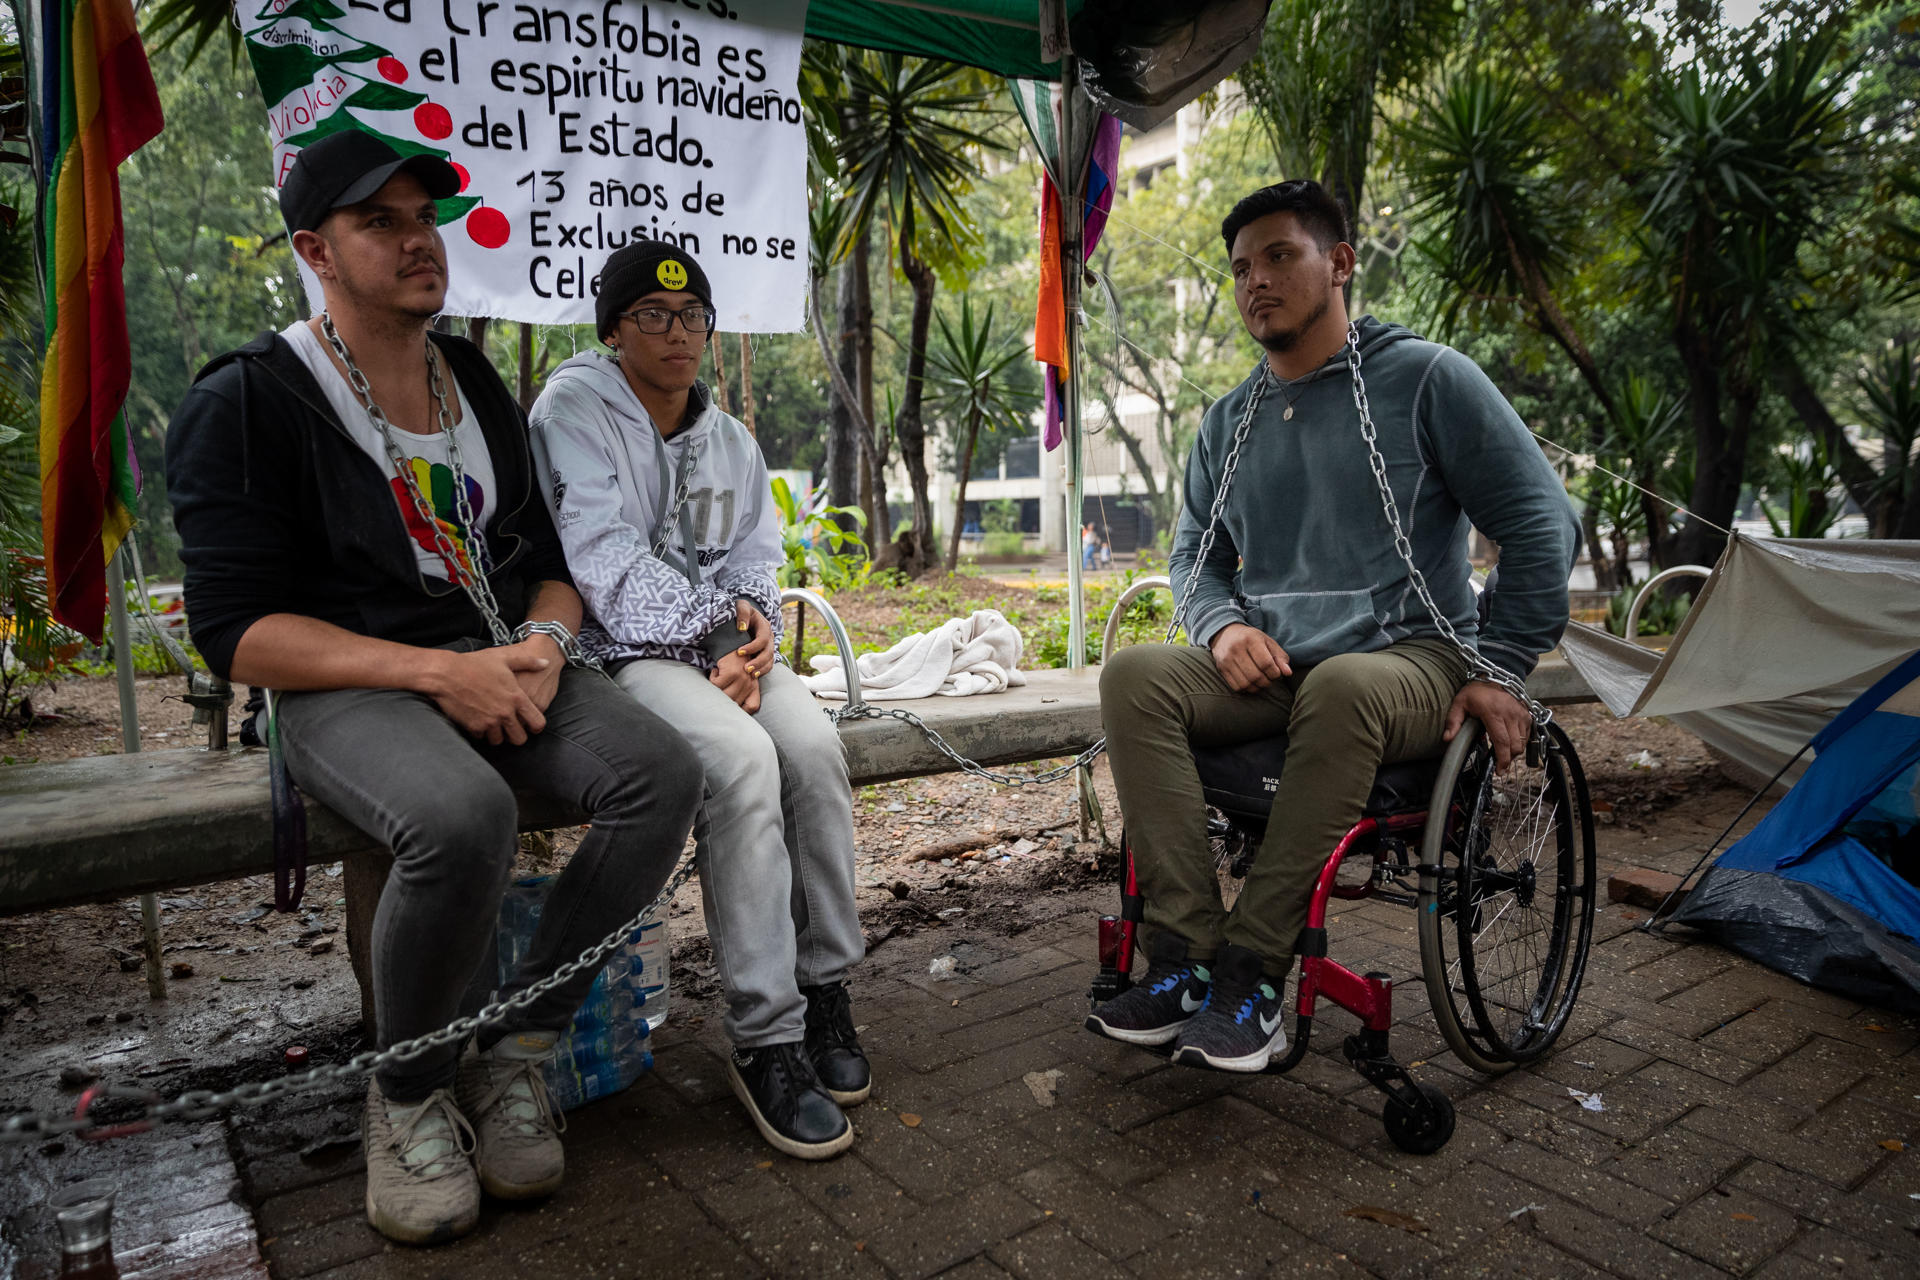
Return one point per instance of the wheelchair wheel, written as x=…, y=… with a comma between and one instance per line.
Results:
x=1421, y=1132
x=1506, y=902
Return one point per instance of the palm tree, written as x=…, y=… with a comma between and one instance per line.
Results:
x=974, y=371
x=1482, y=192
x=909, y=149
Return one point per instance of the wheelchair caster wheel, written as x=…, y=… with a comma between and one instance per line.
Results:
x=1423, y=1131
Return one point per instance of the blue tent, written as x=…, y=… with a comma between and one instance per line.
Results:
x=1827, y=887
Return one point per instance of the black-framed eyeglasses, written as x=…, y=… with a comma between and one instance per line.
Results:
x=694, y=319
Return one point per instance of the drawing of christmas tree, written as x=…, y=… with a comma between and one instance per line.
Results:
x=287, y=66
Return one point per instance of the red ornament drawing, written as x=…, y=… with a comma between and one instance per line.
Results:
x=488, y=227
x=432, y=120
x=461, y=169
x=392, y=70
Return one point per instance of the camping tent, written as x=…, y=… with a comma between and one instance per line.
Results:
x=1827, y=886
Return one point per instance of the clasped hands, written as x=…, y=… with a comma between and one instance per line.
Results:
x=1250, y=660
x=738, y=673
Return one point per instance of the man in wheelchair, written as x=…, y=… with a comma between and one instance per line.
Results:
x=1322, y=573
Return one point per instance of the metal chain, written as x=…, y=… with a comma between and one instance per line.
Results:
x=204, y=1104
x=1263, y=375
x=473, y=581
x=867, y=711
x=1478, y=665
x=668, y=525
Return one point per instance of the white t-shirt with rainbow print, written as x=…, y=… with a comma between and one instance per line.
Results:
x=426, y=454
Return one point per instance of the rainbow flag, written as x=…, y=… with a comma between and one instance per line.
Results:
x=96, y=106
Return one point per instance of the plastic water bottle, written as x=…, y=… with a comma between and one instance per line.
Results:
x=605, y=1049
x=649, y=952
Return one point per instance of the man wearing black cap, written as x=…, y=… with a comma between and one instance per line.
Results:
x=362, y=533
x=665, y=511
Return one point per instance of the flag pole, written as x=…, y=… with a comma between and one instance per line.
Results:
x=130, y=743
x=1072, y=193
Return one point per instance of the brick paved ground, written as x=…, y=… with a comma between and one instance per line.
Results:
x=1751, y=1126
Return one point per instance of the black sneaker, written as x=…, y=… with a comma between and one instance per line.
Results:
x=832, y=1045
x=788, y=1104
x=1154, y=1009
x=1238, y=1026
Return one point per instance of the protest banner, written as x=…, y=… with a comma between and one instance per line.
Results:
x=576, y=126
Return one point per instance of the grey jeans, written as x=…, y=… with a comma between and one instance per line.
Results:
x=392, y=764
x=774, y=841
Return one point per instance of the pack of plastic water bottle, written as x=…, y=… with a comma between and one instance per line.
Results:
x=606, y=1048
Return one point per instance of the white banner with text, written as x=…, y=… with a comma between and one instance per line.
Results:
x=577, y=126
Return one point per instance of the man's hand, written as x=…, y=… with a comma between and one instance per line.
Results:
x=1506, y=717
x=758, y=651
x=730, y=675
x=541, y=685
x=481, y=691
x=1248, y=658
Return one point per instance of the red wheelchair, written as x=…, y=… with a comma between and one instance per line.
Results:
x=1503, y=888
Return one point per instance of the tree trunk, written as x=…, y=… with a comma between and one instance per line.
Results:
x=525, y=389
x=843, y=449
x=1603, y=572
x=477, y=331
x=1863, y=486
x=1719, y=452
x=960, y=489
x=746, y=382
x=720, y=374
x=863, y=431
x=873, y=459
x=909, y=427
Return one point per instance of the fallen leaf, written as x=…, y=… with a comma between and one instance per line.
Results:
x=1042, y=1084
x=859, y=1246
x=1894, y=1144
x=1874, y=1026
x=1743, y=1217
x=1386, y=1217
x=764, y=1164
x=909, y=1119
x=181, y=969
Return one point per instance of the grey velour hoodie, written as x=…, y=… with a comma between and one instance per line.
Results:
x=610, y=477
x=1305, y=552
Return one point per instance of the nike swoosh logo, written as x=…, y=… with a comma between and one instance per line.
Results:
x=1188, y=1004
x=1267, y=1025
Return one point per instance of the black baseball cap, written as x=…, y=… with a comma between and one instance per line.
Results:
x=347, y=167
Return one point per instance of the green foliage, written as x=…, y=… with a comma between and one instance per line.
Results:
x=1660, y=616
x=1807, y=482
x=818, y=551
x=1003, y=542
x=1890, y=408
x=1002, y=515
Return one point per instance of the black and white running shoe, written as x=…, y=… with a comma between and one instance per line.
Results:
x=1154, y=1009
x=1238, y=1026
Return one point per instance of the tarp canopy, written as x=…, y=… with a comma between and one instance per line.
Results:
x=1784, y=635
x=1780, y=617
x=1140, y=61
x=1002, y=36
x=1827, y=887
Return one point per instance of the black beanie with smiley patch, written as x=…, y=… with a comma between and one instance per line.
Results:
x=642, y=268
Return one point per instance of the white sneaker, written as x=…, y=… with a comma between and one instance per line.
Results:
x=517, y=1127
x=421, y=1187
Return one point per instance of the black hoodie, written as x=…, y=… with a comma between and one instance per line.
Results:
x=281, y=511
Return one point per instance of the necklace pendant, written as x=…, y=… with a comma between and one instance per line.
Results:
x=1288, y=415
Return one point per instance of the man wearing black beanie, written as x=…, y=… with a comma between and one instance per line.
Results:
x=664, y=509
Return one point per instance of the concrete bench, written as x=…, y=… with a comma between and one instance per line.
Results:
x=108, y=827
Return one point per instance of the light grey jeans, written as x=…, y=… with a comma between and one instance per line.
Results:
x=774, y=838
x=392, y=764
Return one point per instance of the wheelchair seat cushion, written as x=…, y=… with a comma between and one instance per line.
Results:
x=1240, y=780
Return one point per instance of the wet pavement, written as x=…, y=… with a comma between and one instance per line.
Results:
x=1741, y=1124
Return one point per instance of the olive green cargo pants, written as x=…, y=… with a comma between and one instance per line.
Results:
x=1344, y=718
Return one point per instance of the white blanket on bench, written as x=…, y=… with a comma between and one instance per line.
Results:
x=976, y=654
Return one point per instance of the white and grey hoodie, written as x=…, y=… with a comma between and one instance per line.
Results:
x=610, y=479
